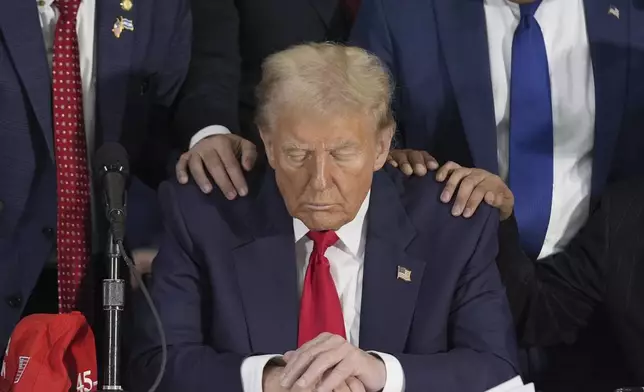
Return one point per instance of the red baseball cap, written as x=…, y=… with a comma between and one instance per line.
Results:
x=50, y=353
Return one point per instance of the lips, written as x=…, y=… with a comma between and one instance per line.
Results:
x=318, y=206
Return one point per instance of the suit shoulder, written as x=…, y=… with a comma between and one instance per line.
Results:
x=194, y=205
x=421, y=199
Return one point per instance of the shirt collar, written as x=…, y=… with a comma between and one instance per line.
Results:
x=351, y=234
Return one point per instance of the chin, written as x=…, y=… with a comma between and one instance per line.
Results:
x=323, y=220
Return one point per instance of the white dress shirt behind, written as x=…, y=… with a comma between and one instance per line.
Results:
x=563, y=24
x=347, y=261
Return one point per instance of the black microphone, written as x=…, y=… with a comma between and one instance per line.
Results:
x=112, y=171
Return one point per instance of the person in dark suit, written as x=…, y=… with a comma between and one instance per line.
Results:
x=397, y=295
x=452, y=64
x=590, y=286
x=215, y=113
x=549, y=95
x=73, y=76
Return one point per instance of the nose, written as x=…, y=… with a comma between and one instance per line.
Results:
x=321, y=171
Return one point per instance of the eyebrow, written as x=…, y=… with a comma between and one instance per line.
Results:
x=292, y=146
x=346, y=144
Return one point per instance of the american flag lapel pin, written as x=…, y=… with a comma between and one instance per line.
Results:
x=403, y=274
x=612, y=10
x=121, y=25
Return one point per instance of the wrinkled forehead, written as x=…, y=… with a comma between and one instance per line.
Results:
x=311, y=126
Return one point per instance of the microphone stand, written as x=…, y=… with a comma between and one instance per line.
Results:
x=113, y=306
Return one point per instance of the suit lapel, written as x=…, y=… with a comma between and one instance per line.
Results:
x=326, y=9
x=463, y=36
x=113, y=66
x=607, y=24
x=267, y=273
x=21, y=32
x=388, y=303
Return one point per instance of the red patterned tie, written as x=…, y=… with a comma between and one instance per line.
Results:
x=320, y=309
x=73, y=228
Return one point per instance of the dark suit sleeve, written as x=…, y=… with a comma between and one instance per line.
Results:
x=553, y=298
x=177, y=288
x=371, y=32
x=483, y=348
x=210, y=94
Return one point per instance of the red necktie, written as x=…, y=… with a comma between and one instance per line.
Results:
x=73, y=213
x=320, y=309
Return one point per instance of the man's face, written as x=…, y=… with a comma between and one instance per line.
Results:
x=324, y=165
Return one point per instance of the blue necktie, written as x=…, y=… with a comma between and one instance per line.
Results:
x=531, y=132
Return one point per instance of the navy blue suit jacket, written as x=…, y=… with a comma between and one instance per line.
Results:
x=437, y=51
x=137, y=77
x=225, y=284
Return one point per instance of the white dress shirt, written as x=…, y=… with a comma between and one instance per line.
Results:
x=346, y=259
x=563, y=25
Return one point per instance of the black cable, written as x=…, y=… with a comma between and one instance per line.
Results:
x=155, y=313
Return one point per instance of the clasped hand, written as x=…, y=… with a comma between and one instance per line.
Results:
x=327, y=363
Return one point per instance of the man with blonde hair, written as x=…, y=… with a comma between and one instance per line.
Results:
x=334, y=274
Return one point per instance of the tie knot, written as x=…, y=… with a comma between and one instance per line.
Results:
x=322, y=240
x=67, y=8
x=528, y=10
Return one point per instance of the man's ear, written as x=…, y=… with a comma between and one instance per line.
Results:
x=383, y=145
x=268, y=146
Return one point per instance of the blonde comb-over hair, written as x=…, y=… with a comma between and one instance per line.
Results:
x=329, y=78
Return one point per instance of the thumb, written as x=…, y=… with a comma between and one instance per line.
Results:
x=248, y=154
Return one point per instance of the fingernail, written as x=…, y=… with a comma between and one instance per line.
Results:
x=445, y=197
x=420, y=169
x=206, y=189
x=301, y=383
x=231, y=195
x=456, y=211
x=433, y=165
x=183, y=179
x=243, y=192
x=468, y=212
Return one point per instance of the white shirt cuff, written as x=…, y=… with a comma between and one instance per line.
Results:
x=252, y=372
x=395, y=381
x=208, y=131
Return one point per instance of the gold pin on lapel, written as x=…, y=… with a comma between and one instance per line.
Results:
x=126, y=5
x=121, y=25
x=612, y=10
x=403, y=274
